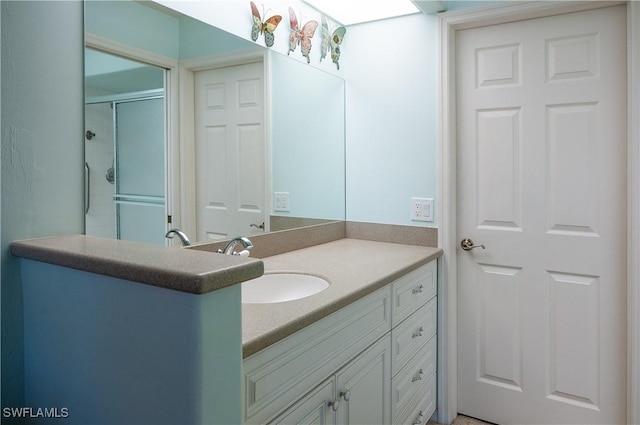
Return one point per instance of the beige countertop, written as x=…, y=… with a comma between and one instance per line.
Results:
x=192, y=271
x=353, y=267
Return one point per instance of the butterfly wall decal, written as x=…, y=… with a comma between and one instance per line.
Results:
x=301, y=36
x=267, y=27
x=331, y=41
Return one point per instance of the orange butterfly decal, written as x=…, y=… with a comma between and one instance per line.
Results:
x=267, y=27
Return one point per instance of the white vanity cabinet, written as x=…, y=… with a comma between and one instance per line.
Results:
x=357, y=394
x=371, y=362
x=287, y=371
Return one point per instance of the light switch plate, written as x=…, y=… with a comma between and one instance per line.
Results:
x=281, y=201
x=422, y=209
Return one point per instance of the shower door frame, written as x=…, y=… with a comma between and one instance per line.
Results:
x=118, y=198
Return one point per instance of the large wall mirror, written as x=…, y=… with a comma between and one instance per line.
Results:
x=261, y=140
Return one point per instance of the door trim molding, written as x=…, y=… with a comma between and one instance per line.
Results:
x=448, y=24
x=106, y=45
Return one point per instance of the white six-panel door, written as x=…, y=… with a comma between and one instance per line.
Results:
x=542, y=185
x=230, y=151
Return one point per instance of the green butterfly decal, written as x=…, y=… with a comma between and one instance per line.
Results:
x=331, y=41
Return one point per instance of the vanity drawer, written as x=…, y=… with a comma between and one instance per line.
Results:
x=413, y=379
x=413, y=290
x=412, y=334
x=421, y=407
x=275, y=378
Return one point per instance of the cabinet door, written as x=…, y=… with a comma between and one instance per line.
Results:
x=313, y=409
x=363, y=386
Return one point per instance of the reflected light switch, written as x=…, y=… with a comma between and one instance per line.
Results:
x=281, y=201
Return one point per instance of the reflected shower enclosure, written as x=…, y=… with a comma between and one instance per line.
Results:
x=125, y=152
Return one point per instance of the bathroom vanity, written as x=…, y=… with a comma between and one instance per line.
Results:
x=120, y=332
x=373, y=361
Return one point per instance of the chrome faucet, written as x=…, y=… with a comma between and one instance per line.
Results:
x=228, y=249
x=181, y=235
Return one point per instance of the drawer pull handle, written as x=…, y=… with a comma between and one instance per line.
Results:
x=419, y=377
x=417, y=290
x=419, y=419
x=346, y=394
x=335, y=405
x=418, y=333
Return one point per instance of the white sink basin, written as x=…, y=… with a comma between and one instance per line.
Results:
x=280, y=287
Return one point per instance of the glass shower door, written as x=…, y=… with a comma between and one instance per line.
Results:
x=140, y=170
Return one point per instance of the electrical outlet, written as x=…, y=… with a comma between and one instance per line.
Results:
x=422, y=209
x=281, y=201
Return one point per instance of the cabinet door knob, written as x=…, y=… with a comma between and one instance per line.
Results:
x=335, y=405
x=346, y=394
x=417, y=290
x=418, y=333
x=419, y=419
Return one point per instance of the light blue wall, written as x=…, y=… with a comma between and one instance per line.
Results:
x=200, y=39
x=42, y=149
x=1, y=240
x=308, y=145
x=77, y=320
x=390, y=68
x=134, y=24
x=143, y=27
x=465, y=4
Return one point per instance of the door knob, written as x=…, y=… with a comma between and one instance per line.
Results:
x=261, y=226
x=467, y=244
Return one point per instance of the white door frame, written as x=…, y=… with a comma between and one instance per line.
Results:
x=172, y=179
x=448, y=25
x=188, y=68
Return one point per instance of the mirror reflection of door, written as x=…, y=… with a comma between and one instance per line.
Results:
x=124, y=149
x=230, y=152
